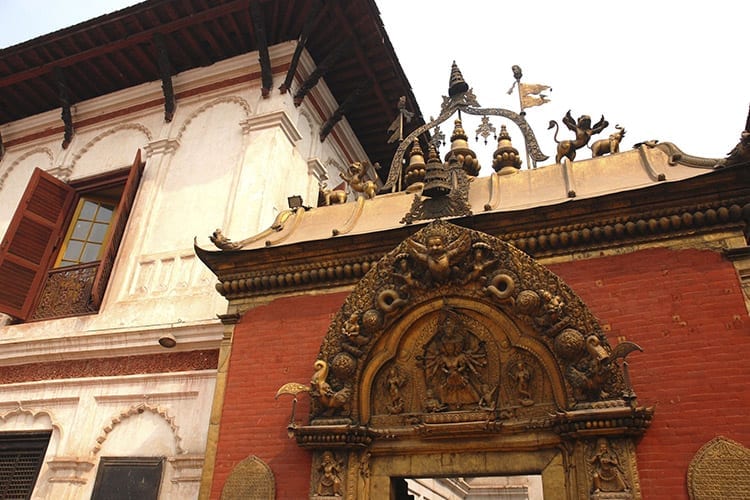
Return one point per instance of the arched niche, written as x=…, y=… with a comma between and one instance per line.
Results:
x=458, y=352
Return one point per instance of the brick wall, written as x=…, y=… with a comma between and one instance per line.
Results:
x=272, y=345
x=685, y=308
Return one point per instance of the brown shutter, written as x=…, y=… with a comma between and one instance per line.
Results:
x=31, y=240
x=117, y=231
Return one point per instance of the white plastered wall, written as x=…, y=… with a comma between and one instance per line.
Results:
x=229, y=159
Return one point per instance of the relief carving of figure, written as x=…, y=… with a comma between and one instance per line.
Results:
x=353, y=339
x=439, y=255
x=608, y=475
x=330, y=469
x=395, y=381
x=481, y=260
x=452, y=365
x=522, y=375
x=583, y=131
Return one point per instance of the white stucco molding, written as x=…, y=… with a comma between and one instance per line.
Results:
x=37, y=150
x=317, y=170
x=112, y=342
x=161, y=147
x=69, y=469
x=275, y=119
x=134, y=411
x=187, y=468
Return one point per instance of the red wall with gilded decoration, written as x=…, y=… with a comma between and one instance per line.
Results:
x=684, y=307
x=272, y=345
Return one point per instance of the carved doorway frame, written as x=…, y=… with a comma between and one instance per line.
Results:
x=459, y=355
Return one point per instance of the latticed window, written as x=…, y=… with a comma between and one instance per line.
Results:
x=21, y=456
x=61, y=244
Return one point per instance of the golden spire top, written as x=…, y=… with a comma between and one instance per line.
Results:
x=457, y=85
x=505, y=159
x=460, y=152
x=415, y=170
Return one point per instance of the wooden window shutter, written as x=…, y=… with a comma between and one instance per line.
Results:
x=31, y=240
x=117, y=231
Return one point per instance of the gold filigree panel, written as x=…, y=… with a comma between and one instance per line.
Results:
x=720, y=470
x=251, y=479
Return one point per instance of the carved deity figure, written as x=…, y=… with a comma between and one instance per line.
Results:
x=608, y=475
x=452, y=366
x=522, y=377
x=395, y=381
x=583, y=131
x=439, y=255
x=329, y=483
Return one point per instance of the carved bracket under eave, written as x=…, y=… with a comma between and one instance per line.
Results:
x=259, y=26
x=165, y=73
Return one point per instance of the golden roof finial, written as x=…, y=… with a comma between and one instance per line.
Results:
x=457, y=85
x=460, y=151
x=505, y=159
x=415, y=170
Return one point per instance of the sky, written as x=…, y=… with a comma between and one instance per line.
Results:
x=668, y=71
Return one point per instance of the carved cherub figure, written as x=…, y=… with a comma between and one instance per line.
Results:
x=438, y=255
x=583, y=131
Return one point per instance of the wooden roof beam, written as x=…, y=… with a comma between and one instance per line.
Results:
x=144, y=36
x=363, y=61
x=165, y=73
x=66, y=115
x=324, y=67
x=259, y=26
x=344, y=108
x=310, y=22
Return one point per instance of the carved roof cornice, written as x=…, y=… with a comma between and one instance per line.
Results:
x=718, y=201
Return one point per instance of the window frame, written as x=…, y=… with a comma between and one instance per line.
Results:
x=35, y=236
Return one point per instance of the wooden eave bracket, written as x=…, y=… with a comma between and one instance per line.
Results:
x=165, y=73
x=344, y=108
x=259, y=26
x=67, y=117
x=310, y=23
x=321, y=70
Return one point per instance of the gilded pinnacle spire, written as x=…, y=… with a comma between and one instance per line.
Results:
x=460, y=152
x=505, y=159
x=457, y=85
x=436, y=178
x=415, y=171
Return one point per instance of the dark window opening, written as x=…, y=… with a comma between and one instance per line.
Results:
x=21, y=457
x=128, y=478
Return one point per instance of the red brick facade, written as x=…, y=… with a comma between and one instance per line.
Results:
x=684, y=307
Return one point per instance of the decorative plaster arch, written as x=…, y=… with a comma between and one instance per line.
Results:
x=222, y=100
x=457, y=342
x=134, y=411
x=117, y=128
x=23, y=157
x=20, y=410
